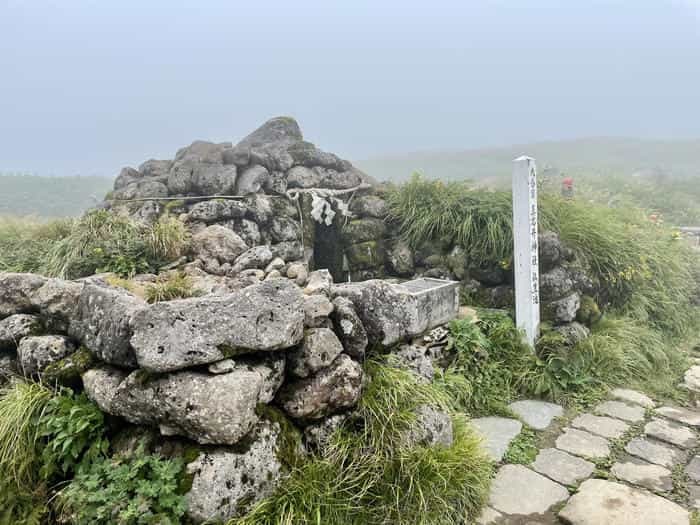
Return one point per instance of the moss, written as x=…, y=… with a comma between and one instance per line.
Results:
x=362, y=230
x=589, y=312
x=289, y=441
x=365, y=255
x=67, y=371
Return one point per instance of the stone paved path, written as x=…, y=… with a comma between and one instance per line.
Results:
x=626, y=462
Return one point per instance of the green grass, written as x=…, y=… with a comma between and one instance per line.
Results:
x=175, y=286
x=99, y=241
x=523, y=449
x=368, y=475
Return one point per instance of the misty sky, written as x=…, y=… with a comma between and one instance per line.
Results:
x=88, y=87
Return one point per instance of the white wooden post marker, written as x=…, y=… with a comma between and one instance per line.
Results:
x=525, y=253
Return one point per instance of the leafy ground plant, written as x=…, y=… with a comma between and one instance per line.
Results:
x=140, y=490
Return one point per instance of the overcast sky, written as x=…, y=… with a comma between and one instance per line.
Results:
x=87, y=87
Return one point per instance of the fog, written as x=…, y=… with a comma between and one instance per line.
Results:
x=87, y=87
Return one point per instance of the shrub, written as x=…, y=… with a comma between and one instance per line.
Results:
x=368, y=475
x=140, y=490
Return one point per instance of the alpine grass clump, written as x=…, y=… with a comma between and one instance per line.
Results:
x=24, y=242
x=370, y=474
x=174, y=286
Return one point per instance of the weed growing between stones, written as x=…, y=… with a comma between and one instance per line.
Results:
x=174, y=286
x=370, y=473
x=523, y=449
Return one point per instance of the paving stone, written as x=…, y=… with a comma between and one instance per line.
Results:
x=497, y=432
x=582, y=443
x=630, y=413
x=670, y=432
x=632, y=396
x=681, y=415
x=600, y=502
x=655, y=452
x=518, y=490
x=562, y=467
x=608, y=427
x=647, y=475
x=488, y=516
x=536, y=414
x=694, y=496
x=692, y=378
x=693, y=469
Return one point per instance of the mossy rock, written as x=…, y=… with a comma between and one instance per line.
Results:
x=589, y=312
x=175, y=207
x=67, y=371
x=290, y=451
x=365, y=255
x=363, y=230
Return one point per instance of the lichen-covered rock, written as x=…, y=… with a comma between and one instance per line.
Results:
x=16, y=292
x=156, y=168
x=303, y=177
x=317, y=308
x=257, y=257
x=362, y=230
x=217, y=246
x=284, y=229
x=317, y=435
x=492, y=275
x=141, y=190
x=432, y=427
x=214, y=179
x=15, y=327
x=370, y=206
x=366, y=255
x=217, y=210
x=68, y=371
x=551, y=251
x=562, y=310
x=183, y=333
x=103, y=323
x=349, y=327
x=288, y=250
x=319, y=349
x=252, y=180
x=35, y=353
x=573, y=332
x=415, y=358
x=58, y=302
x=226, y=482
x=555, y=284
x=126, y=176
x=210, y=409
x=399, y=259
x=332, y=389
x=319, y=282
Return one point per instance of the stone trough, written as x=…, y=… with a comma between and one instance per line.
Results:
x=431, y=302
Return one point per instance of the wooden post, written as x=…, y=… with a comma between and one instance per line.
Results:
x=525, y=252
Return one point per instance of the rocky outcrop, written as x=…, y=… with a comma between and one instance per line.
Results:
x=180, y=334
x=35, y=353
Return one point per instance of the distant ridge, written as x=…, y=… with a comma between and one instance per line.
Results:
x=603, y=155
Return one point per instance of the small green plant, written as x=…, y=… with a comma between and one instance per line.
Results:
x=140, y=490
x=175, y=286
x=166, y=239
x=73, y=431
x=523, y=449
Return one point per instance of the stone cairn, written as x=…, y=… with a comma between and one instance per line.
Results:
x=270, y=343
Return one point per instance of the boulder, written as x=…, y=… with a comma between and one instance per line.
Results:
x=370, y=206
x=179, y=334
x=16, y=292
x=217, y=246
x=573, y=332
x=58, y=301
x=319, y=349
x=203, y=152
x=457, y=261
x=284, y=229
x=15, y=327
x=126, y=176
x=214, y=179
x=562, y=310
x=415, y=358
x=156, y=168
x=303, y=177
x=490, y=275
x=217, y=210
x=306, y=154
x=551, y=251
x=226, y=482
x=142, y=190
x=555, y=284
x=366, y=255
x=317, y=308
x=320, y=282
x=252, y=180
x=399, y=259
x=209, y=409
x=332, y=389
x=349, y=327
x=257, y=257
x=246, y=229
x=362, y=230
x=35, y=353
